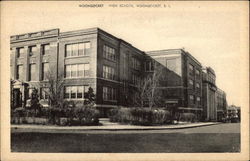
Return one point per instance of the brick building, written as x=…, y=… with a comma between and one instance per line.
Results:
x=111, y=66
x=183, y=86
x=209, y=94
x=221, y=104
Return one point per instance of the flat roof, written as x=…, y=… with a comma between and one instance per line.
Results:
x=170, y=51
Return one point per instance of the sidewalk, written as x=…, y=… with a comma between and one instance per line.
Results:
x=110, y=126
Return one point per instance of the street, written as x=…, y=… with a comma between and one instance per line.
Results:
x=215, y=138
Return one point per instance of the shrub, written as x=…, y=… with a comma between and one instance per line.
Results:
x=139, y=116
x=188, y=117
x=86, y=115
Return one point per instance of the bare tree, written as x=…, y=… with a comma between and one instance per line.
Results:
x=148, y=92
x=53, y=87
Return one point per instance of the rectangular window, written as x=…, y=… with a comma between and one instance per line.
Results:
x=191, y=97
x=108, y=72
x=109, y=53
x=105, y=93
x=20, y=52
x=75, y=92
x=45, y=49
x=135, y=79
x=45, y=69
x=191, y=82
x=45, y=93
x=197, y=72
x=19, y=72
x=77, y=71
x=32, y=72
x=136, y=64
x=191, y=67
x=198, y=99
x=149, y=66
x=30, y=90
x=32, y=50
x=109, y=94
x=197, y=85
x=78, y=49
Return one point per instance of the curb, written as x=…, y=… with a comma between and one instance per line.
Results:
x=113, y=129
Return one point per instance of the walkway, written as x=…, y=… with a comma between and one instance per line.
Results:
x=107, y=125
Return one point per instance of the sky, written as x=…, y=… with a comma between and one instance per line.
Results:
x=215, y=33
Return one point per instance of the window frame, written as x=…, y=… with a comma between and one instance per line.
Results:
x=108, y=72
x=84, y=90
x=70, y=48
x=86, y=73
x=109, y=53
x=19, y=54
x=30, y=71
x=18, y=75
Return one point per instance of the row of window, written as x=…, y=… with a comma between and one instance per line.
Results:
x=75, y=92
x=109, y=94
x=32, y=50
x=109, y=53
x=77, y=71
x=192, y=99
x=191, y=68
x=32, y=71
x=71, y=71
x=191, y=82
x=77, y=49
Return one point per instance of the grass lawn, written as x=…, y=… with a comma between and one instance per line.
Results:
x=125, y=142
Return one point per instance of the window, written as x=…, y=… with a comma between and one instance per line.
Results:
x=136, y=64
x=109, y=53
x=45, y=49
x=149, y=66
x=20, y=52
x=191, y=69
x=197, y=72
x=44, y=93
x=76, y=71
x=78, y=49
x=75, y=92
x=197, y=85
x=32, y=72
x=191, y=82
x=191, y=97
x=45, y=69
x=109, y=94
x=135, y=79
x=198, y=99
x=30, y=90
x=19, y=72
x=32, y=50
x=108, y=72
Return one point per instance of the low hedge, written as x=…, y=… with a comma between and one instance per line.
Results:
x=188, y=117
x=140, y=116
x=68, y=115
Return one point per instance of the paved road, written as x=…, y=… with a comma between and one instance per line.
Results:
x=215, y=138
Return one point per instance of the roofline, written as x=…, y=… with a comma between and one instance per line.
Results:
x=179, y=49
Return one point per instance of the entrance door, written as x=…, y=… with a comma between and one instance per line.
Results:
x=17, y=98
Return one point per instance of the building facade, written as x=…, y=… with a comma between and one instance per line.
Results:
x=110, y=66
x=209, y=94
x=183, y=86
x=221, y=104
